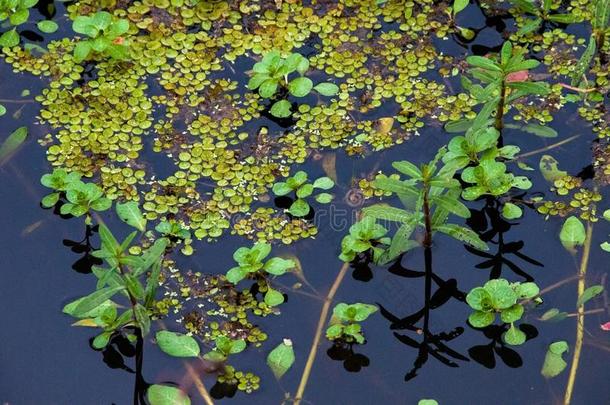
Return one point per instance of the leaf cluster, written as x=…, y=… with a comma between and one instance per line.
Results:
x=345, y=321
x=363, y=236
x=302, y=189
x=501, y=297
x=17, y=12
x=542, y=13
x=105, y=34
x=272, y=74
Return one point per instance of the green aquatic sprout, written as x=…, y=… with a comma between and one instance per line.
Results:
x=59, y=180
x=541, y=14
x=135, y=277
x=429, y=195
x=345, y=322
x=251, y=263
x=224, y=347
x=365, y=235
x=490, y=177
x=173, y=229
x=271, y=75
x=106, y=36
x=17, y=12
x=457, y=7
x=503, y=298
x=302, y=189
x=502, y=82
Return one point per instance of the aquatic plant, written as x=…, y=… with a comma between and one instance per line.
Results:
x=105, y=34
x=498, y=296
x=17, y=12
x=345, y=321
x=272, y=74
x=542, y=14
x=365, y=235
x=299, y=185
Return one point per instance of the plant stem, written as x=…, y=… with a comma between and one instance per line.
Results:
x=199, y=384
x=140, y=386
x=580, y=319
x=316, y=340
x=499, y=125
x=427, y=258
x=547, y=148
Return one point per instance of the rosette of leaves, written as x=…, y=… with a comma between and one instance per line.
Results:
x=542, y=13
x=272, y=76
x=503, y=298
x=298, y=184
x=60, y=181
x=17, y=12
x=224, y=347
x=429, y=195
x=345, y=322
x=135, y=277
x=490, y=177
x=251, y=263
x=173, y=230
x=363, y=236
x=105, y=34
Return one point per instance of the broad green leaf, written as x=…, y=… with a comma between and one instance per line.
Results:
x=305, y=191
x=177, y=344
x=388, y=213
x=452, y=205
x=502, y=294
x=12, y=143
x=130, y=213
x=236, y=274
x=385, y=183
x=554, y=363
x=427, y=402
x=327, y=89
x=94, y=300
x=506, y=52
x=589, y=294
x=511, y=211
x=101, y=340
x=324, y=183
x=95, y=312
x=278, y=266
x=459, y=126
x=281, y=189
x=527, y=290
x=20, y=16
x=583, y=63
x=281, y=358
x=300, y=87
x=9, y=39
x=480, y=319
x=299, y=208
x=2, y=110
x=540, y=130
x=483, y=63
x=459, y=5
x=81, y=51
x=554, y=315
x=47, y=26
x=462, y=234
x=535, y=88
x=549, y=167
x=572, y=233
x=165, y=395
x=281, y=109
x=512, y=314
x=514, y=336
x=268, y=88
x=273, y=297
x=408, y=168
x=479, y=299
x=324, y=198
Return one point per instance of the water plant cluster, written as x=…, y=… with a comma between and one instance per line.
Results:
x=234, y=96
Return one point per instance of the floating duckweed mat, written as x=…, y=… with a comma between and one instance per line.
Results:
x=157, y=105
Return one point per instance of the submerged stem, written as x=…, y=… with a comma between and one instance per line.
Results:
x=316, y=340
x=203, y=392
x=580, y=319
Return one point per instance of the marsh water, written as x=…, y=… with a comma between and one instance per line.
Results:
x=44, y=360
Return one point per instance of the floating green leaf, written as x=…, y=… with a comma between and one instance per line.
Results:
x=130, y=213
x=177, y=344
x=12, y=143
x=281, y=358
x=165, y=395
x=572, y=233
x=589, y=294
x=554, y=363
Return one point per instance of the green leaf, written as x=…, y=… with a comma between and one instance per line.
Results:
x=281, y=189
x=483, y=63
x=327, y=89
x=479, y=299
x=512, y=314
x=572, y=233
x=50, y=200
x=466, y=33
x=535, y=88
x=502, y=294
x=452, y=205
x=584, y=62
x=177, y=344
x=530, y=26
x=165, y=395
x=12, y=143
x=459, y=5
x=20, y=16
x=273, y=297
x=462, y=234
x=152, y=255
x=9, y=39
x=588, y=294
x=542, y=131
x=101, y=340
x=281, y=109
x=303, y=65
x=268, y=88
x=300, y=87
x=385, y=183
x=511, y=211
x=281, y=358
x=601, y=15
x=549, y=167
x=278, y=266
x=299, y=208
x=427, y=402
x=514, y=336
x=324, y=198
x=95, y=312
x=527, y=290
x=563, y=18
x=408, y=168
x=94, y=300
x=130, y=213
x=554, y=363
x=324, y=183
x=554, y=315
x=305, y=191
x=388, y=213
x=143, y=318
x=47, y=26
x=480, y=319
x=236, y=274
x=81, y=51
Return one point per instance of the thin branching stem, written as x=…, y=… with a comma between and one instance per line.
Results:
x=580, y=319
x=201, y=389
x=316, y=340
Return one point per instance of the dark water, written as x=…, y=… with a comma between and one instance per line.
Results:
x=43, y=360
